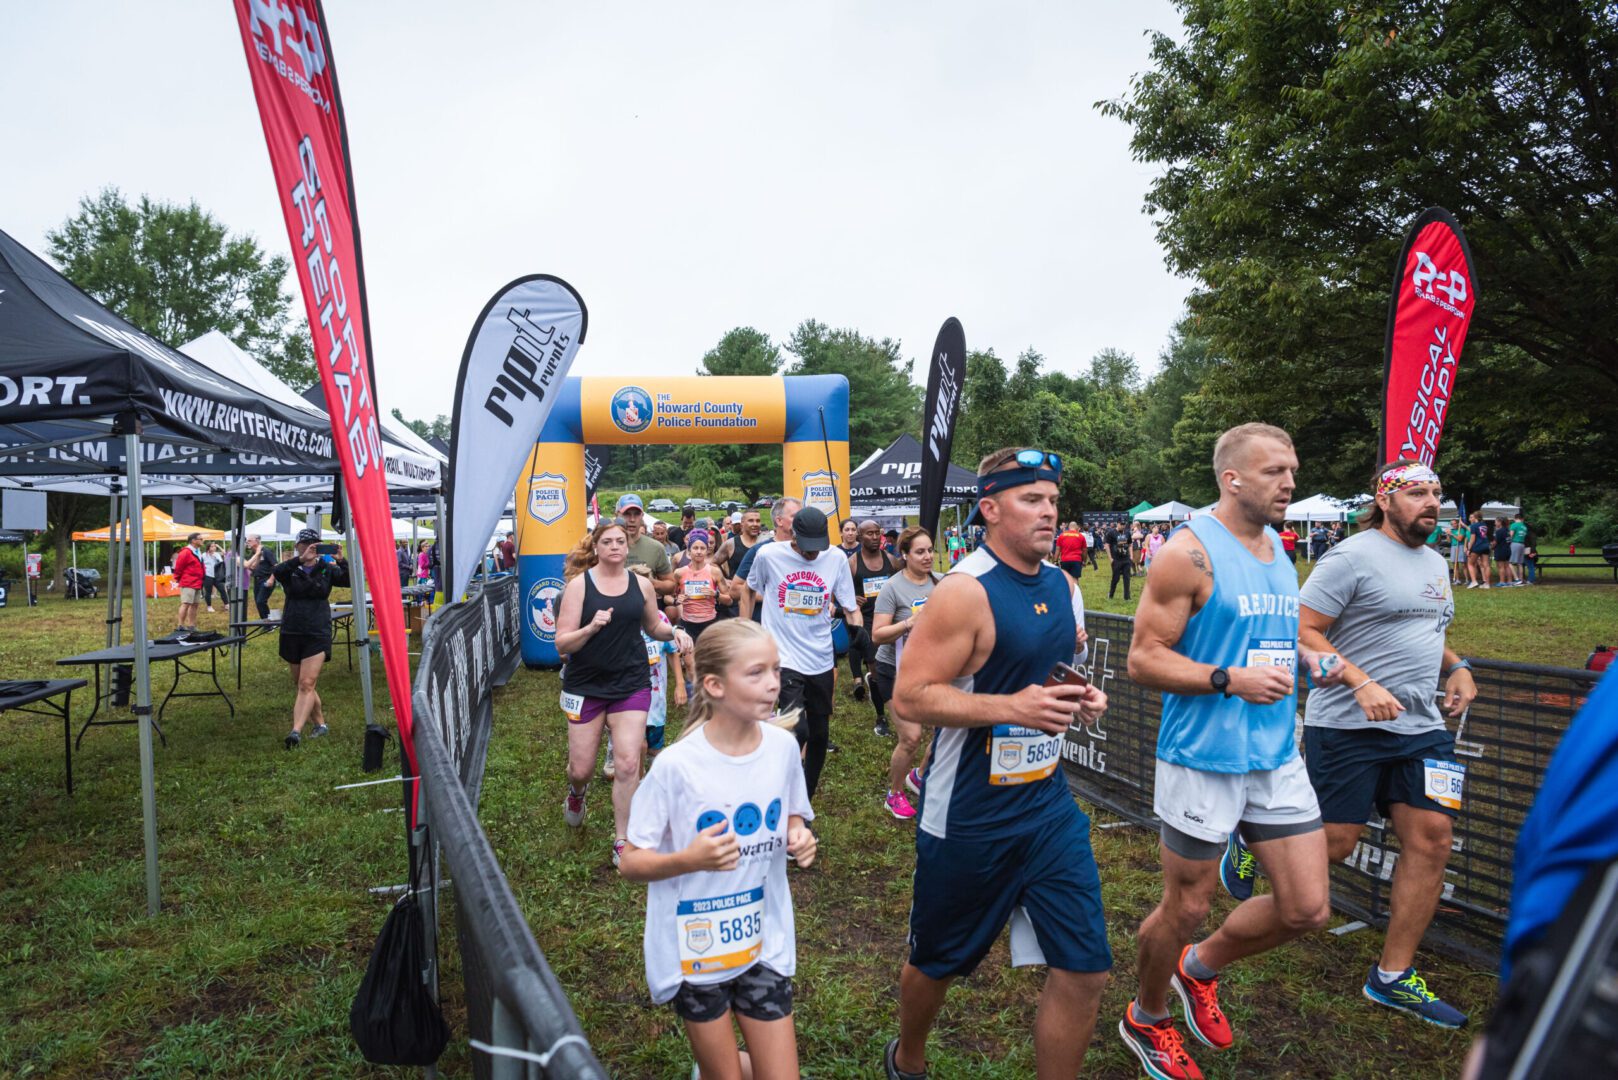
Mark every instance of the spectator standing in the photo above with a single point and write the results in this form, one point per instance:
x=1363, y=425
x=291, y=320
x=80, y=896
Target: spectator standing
x=424, y=564
x=1502, y=554
x=262, y=569
x=213, y=574
x=1519, y=548
x=1289, y=542
x=1317, y=541
x=508, y=552
x=189, y=574
x=1477, y=557
x=1122, y=565
x=1458, y=537
x=1070, y=549
x=403, y=553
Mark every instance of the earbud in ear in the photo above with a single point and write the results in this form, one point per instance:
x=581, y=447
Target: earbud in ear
x=1235, y=485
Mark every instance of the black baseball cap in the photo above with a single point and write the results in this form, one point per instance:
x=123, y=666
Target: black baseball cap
x=809, y=529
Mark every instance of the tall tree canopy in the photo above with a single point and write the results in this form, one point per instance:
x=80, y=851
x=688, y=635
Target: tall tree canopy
x=177, y=272
x=1297, y=143
x=882, y=402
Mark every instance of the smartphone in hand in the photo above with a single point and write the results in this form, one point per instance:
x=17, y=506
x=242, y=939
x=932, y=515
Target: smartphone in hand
x=1066, y=675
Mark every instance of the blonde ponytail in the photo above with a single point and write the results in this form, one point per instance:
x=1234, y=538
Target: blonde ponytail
x=715, y=653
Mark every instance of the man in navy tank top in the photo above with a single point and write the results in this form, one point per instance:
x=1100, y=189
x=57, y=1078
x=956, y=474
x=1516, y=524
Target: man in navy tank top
x=1000, y=839
x=1217, y=633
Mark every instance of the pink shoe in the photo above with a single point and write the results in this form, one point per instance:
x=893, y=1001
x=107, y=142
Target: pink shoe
x=899, y=806
x=913, y=781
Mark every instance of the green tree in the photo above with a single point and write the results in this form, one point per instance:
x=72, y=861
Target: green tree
x=438, y=428
x=1296, y=142
x=177, y=272
x=753, y=468
x=882, y=401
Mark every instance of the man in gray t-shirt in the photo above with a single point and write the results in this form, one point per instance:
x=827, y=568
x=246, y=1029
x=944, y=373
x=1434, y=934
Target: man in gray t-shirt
x=1381, y=600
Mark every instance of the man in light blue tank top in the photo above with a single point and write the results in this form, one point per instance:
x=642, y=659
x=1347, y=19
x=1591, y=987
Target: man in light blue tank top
x=1000, y=839
x=1217, y=632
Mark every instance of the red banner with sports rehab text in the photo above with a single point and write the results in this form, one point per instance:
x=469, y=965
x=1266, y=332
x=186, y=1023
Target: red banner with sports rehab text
x=295, y=82
x=1434, y=291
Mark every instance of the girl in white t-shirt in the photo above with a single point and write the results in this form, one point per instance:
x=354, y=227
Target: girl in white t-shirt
x=709, y=831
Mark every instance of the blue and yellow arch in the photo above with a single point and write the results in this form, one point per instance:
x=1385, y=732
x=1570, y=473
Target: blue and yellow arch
x=806, y=414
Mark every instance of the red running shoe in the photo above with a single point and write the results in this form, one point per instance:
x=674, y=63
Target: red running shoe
x=1201, y=1000
x=1159, y=1047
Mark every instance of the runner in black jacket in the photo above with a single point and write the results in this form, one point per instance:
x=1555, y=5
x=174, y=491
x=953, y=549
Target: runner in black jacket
x=307, y=579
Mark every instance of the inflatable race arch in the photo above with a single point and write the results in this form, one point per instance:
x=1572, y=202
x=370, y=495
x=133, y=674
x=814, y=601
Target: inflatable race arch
x=806, y=414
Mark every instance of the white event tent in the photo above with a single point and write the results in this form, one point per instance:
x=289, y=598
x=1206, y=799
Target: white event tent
x=1173, y=510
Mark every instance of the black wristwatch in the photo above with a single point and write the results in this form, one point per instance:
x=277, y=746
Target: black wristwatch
x=1220, y=681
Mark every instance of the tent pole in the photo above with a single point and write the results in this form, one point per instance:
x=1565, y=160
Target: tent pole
x=143, y=681
x=438, y=535
x=115, y=575
x=237, y=602
x=356, y=576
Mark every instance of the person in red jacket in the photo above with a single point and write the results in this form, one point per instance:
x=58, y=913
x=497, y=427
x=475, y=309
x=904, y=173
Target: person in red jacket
x=189, y=576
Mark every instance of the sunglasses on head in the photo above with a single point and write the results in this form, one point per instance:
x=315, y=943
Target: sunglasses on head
x=1035, y=459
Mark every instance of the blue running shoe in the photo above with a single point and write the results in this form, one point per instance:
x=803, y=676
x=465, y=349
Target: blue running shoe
x=1238, y=869
x=1409, y=993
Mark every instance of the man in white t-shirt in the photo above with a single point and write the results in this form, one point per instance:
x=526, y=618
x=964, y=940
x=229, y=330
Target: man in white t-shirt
x=796, y=585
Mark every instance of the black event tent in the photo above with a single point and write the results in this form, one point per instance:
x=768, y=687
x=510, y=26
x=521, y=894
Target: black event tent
x=85, y=394
x=69, y=368
x=892, y=480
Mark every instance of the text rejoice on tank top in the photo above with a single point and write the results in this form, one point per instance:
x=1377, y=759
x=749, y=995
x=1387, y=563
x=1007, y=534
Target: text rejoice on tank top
x=611, y=665
x=1250, y=620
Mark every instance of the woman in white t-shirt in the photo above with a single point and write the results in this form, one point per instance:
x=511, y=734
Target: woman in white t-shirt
x=709, y=831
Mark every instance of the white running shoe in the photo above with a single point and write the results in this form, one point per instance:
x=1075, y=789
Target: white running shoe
x=573, y=809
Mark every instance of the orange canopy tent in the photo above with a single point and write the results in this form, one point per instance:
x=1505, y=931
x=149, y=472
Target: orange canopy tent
x=155, y=526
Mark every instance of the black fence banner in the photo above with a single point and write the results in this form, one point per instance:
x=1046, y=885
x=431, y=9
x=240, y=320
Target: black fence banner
x=516, y=1010
x=1505, y=740
x=946, y=375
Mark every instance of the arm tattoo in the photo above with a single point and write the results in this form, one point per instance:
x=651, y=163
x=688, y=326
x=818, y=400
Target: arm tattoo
x=1201, y=563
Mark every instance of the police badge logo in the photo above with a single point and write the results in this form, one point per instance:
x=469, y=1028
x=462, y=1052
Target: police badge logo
x=631, y=409
x=820, y=491
x=699, y=935
x=543, y=596
x=1010, y=755
x=547, y=498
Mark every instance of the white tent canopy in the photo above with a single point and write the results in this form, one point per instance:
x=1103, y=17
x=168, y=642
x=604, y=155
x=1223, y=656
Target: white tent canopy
x=1173, y=510
x=1318, y=508
x=265, y=529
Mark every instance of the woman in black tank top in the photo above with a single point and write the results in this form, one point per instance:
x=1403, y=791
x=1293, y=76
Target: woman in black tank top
x=607, y=680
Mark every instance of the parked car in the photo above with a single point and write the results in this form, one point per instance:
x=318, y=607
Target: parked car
x=662, y=506
x=694, y=503
x=731, y=504
x=766, y=502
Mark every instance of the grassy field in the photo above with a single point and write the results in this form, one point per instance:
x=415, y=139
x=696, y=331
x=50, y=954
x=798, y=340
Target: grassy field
x=267, y=920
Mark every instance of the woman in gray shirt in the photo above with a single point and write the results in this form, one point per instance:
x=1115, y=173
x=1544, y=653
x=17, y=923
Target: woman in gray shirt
x=897, y=604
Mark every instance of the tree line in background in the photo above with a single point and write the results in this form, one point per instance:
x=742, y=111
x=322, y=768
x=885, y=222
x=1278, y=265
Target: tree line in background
x=1293, y=146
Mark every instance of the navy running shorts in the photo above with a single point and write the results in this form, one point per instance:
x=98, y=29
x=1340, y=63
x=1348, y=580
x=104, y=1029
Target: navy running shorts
x=1354, y=769
x=1043, y=882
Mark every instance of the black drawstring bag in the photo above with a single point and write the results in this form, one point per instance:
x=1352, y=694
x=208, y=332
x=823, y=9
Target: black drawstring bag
x=394, y=1018
x=376, y=741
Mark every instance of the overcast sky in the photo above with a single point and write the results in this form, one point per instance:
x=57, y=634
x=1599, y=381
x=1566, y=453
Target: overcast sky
x=688, y=168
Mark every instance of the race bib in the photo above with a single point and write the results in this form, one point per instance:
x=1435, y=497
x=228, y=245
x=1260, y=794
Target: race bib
x=1276, y=652
x=873, y=586
x=572, y=706
x=1444, y=782
x=1021, y=755
x=805, y=601
x=720, y=933
x=654, y=649
x=697, y=588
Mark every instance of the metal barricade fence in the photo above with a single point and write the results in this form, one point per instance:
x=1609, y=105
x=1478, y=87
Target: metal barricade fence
x=519, y=1020
x=1505, y=741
